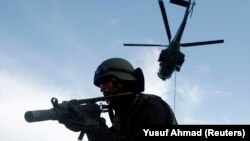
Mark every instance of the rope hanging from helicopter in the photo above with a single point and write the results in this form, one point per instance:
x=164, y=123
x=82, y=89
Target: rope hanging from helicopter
x=174, y=90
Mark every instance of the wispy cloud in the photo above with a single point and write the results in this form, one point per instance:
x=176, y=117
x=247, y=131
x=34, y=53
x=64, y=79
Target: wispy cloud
x=222, y=93
x=190, y=93
x=201, y=69
x=114, y=22
x=19, y=94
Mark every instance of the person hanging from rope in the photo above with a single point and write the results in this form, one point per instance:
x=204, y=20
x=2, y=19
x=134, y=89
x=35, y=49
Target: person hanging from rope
x=128, y=112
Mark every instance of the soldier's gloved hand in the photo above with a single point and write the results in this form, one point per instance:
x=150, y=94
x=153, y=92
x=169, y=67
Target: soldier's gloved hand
x=76, y=125
x=83, y=117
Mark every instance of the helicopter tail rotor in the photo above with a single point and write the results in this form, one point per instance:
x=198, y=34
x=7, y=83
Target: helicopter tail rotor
x=192, y=8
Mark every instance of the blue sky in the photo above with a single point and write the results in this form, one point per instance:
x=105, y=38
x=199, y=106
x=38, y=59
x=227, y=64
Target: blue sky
x=51, y=48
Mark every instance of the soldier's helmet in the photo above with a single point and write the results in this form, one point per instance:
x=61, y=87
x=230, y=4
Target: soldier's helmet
x=120, y=69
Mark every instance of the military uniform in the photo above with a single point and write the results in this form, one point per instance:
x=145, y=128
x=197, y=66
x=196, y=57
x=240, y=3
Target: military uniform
x=131, y=114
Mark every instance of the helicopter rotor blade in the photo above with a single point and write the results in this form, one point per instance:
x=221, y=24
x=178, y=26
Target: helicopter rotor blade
x=146, y=45
x=202, y=43
x=179, y=2
x=165, y=19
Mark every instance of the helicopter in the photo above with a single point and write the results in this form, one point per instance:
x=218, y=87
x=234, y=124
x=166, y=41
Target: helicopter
x=171, y=58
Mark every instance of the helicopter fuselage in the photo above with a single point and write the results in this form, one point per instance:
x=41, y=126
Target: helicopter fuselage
x=170, y=59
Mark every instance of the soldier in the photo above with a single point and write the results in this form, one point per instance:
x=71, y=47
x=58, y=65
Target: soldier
x=130, y=111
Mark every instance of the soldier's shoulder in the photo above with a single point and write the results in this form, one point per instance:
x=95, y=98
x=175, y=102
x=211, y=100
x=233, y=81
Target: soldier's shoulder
x=150, y=98
x=146, y=95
